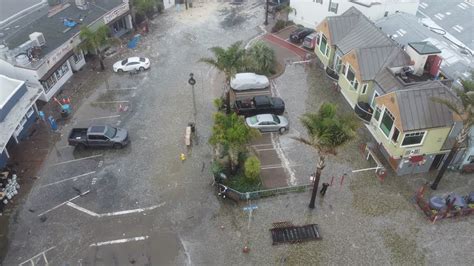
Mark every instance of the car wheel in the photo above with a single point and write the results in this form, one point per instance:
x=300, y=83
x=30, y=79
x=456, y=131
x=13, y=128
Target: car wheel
x=282, y=130
x=117, y=146
x=119, y=70
x=142, y=69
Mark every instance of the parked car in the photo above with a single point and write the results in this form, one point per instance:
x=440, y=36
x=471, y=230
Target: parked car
x=249, y=81
x=260, y=105
x=132, y=64
x=98, y=136
x=299, y=34
x=309, y=41
x=268, y=123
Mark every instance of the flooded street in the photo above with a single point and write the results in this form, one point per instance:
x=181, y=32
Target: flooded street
x=142, y=205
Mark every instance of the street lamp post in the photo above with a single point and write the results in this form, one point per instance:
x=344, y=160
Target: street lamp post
x=192, y=82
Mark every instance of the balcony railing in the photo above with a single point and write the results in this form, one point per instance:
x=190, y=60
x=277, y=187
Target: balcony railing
x=332, y=74
x=364, y=111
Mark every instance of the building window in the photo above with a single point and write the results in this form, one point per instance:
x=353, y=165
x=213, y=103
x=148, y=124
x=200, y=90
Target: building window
x=333, y=7
x=470, y=159
x=337, y=64
x=413, y=138
x=30, y=112
x=53, y=79
x=377, y=113
x=77, y=57
x=350, y=75
x=372, y=103
x=323, y=46
x=387, y=123
x=395, y=135
x=364, y=88
x=23, y=121
x=318, y=1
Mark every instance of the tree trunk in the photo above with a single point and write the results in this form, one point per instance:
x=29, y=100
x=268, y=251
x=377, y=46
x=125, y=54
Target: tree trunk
x=233, y=159
x=319, y=168
x=227, y=102
x=101, y=60
x=445, y=165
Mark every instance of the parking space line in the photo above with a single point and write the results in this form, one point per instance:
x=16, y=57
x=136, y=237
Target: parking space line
x=103, y=117
x=43, y=253
x=76, y=160
x=119, y=241
x=59, y=205
x=124, y=89
x=67, y=179
x=258, y=145
x=91, y=213
x=111, y=102
x=274, y=166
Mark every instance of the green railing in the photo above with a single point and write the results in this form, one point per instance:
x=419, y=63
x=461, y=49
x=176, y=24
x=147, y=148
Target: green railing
x=267, y=192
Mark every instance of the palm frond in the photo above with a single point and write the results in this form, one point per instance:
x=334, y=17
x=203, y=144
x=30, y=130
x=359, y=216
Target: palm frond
x=448, y=103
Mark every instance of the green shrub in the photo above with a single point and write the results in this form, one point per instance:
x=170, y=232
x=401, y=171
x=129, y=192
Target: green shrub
x=289, y=23
x=252, y=168
x=279, y=25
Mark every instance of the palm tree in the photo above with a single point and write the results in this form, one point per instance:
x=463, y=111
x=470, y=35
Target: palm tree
x=327, y=131
x=261, y=58
x=287, y=10
x=94, y=41
x=230, y=61
x=463, y=109
x=232, y=133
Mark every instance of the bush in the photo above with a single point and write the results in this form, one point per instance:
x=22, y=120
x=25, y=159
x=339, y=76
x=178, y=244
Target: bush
x=252, y=168
x=289, y=23
x=279, y=25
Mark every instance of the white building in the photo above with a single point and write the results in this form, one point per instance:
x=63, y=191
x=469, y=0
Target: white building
x=40, y=48
x=310, y=12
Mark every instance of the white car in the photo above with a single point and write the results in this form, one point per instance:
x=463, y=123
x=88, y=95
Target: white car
x=268, y=123
x=132, y=64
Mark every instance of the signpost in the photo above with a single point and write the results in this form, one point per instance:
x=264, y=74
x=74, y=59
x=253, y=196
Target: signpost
x=192, y=82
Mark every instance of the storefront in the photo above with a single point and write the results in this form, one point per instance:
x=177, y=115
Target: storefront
x=119, y=20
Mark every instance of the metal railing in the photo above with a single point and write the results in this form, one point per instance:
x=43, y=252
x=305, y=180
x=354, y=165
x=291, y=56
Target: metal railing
x=267, y=192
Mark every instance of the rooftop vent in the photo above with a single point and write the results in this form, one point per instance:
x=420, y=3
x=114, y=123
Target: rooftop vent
x=81, y=4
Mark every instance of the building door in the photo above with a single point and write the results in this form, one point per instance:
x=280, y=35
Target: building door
x=437, y=161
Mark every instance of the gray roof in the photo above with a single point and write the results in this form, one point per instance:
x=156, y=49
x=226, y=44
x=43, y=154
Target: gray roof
x=387, y=81
x=372, y=59
x=363, y=34
x=419, y=111
x=424, y=48
x=454, y=16
x=340, y=26
x=406, y=28
x=52, y=27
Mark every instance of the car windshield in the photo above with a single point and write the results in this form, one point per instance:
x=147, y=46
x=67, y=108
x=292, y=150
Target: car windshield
x=110, y=132
x=142, y=59
x=124, y=61
x=276, y=119
x=253, y=120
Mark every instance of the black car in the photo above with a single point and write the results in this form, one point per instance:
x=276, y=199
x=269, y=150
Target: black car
x=298, y=35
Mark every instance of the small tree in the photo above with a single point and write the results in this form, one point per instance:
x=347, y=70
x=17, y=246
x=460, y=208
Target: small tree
x=327, y=131
x=229, y=61
x=261, y=58
x=231, y=132
x=464, y=109
x=287, y=10
x=145, y=7
x=94, y=41
x=252, y=168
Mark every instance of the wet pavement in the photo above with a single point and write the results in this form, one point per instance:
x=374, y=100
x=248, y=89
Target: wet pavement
x=142, y=205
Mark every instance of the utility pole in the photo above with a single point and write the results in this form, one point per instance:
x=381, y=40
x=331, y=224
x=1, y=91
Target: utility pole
x=266, y=13
x=192, y=82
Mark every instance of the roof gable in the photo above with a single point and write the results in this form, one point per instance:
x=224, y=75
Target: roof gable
x=418, y=110
x=373, y=59
x=340, y=26
x=363, y=34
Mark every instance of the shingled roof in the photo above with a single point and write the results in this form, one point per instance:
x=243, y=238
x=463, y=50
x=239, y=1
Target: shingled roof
x=419, y=111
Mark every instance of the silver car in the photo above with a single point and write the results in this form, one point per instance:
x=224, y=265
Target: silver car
x=268, y=123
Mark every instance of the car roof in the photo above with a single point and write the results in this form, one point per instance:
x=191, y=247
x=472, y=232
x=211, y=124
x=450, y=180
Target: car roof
x=265, y=117
x=134, y=59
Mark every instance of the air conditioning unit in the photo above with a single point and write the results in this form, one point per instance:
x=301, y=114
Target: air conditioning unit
x=409, y=152
x=81, y=4
x=38, y=38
